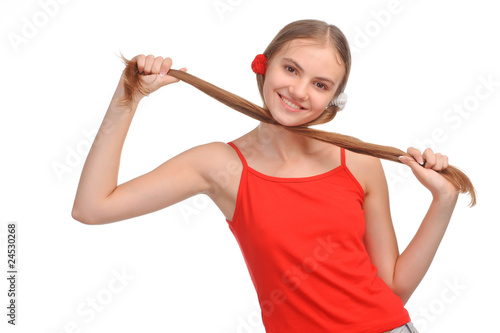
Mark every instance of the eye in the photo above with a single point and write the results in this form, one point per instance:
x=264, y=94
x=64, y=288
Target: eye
x=289, y=69
x=321, y=86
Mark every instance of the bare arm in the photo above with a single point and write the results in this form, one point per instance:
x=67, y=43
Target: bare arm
x=403, y=273
x=98, y=199
x=416, y=259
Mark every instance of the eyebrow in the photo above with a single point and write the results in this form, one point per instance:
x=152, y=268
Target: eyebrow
x=301, y=69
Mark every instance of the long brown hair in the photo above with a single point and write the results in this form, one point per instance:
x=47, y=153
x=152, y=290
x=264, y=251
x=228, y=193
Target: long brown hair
x=308, y=29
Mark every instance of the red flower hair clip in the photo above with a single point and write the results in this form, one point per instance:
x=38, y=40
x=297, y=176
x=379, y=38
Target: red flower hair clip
x=259, y=64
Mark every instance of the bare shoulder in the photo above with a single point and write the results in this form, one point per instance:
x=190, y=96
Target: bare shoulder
x=214, y=149
x=366, y=169
x=217, y=153
x=217, y=160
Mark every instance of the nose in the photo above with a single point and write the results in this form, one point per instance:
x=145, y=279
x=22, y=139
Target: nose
x=298, y=90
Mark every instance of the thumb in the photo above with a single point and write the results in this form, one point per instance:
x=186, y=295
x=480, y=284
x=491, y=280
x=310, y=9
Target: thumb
x=167, y=79
x=412, y=163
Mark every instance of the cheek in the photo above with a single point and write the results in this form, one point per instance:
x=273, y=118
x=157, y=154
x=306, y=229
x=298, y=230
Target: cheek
x=321, y=100
x=269, y=88
x=265, y=89
x=275, y=78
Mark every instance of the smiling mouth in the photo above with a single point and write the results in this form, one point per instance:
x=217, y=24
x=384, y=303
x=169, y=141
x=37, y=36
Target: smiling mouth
x=290, y=103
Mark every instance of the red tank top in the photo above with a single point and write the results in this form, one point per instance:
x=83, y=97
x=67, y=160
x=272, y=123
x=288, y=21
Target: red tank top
x=302, y=241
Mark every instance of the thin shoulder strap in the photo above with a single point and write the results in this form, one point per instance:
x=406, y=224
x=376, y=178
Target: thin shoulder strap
x=342, y=156
x=239, y=154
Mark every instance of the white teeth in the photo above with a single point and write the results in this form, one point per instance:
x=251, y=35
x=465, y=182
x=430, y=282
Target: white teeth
x=287, y=102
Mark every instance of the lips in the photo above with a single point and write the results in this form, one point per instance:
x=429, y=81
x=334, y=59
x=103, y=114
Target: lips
x=291, y=103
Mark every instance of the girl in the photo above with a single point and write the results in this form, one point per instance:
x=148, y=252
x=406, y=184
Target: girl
x=311, y=217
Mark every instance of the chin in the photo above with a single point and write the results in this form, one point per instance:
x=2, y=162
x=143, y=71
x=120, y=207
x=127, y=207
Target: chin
x=290, y=122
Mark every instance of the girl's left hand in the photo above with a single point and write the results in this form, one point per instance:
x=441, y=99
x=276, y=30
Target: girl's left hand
x=426, y=171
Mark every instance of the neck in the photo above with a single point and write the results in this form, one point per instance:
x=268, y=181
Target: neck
x=275, y=141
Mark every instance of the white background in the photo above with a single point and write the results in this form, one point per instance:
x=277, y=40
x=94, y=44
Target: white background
x=184, y=270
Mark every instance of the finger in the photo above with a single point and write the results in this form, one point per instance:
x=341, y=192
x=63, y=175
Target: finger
x=439, y=162
x=409, y=161
x=150, y=59
x=141, y=61
x=417, y=155
x=445, y=162
x=157, y=65
x=429, y=158
x=165, y=66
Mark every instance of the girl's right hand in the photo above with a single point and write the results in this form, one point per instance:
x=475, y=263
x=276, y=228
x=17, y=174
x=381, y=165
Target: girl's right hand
x=153, y=73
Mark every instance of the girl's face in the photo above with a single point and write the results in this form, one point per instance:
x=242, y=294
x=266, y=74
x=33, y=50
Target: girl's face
x=301, y=80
